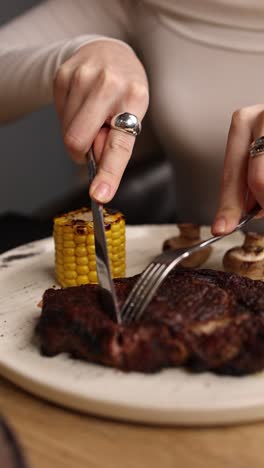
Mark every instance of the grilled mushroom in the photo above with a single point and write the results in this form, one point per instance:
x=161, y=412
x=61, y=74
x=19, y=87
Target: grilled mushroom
x=248, y=259
x=189, y=235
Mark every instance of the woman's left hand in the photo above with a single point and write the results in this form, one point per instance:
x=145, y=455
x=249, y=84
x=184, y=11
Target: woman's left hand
x=243, y=176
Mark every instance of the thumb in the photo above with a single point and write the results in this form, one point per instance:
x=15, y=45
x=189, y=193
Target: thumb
x=99, y=143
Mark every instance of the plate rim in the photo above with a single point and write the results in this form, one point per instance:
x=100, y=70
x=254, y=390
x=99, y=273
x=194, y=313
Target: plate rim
x=136, y=411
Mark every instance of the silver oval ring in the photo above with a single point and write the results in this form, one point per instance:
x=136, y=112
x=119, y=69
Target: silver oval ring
x=126, y=122
x=257, y=147
x=256, y=143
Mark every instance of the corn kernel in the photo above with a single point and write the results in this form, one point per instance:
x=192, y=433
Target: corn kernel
x=60, y=276
x=59, y=268
x=93, y=277
x=91, y=249
x=70, y=267
x=118, y=257
x=82, y=269
x=80, y=251
x=90, y=239
x=92, y=265
x=82, y=260
x=116, y=271
x=115, y=236
x=119, y=248
x=59, y=259
x=115, y=227
x=70, y=274
x=68, y=251
x=69, y=282
x=68, y=244
x=79, y=239
x=82, y=279
x=67, y=230
x=58, y=230
x=68, y=259
x=75, y=250
x=60, y=221
x=68, y=236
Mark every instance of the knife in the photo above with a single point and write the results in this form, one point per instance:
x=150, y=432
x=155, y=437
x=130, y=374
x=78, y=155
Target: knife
x=101, y=251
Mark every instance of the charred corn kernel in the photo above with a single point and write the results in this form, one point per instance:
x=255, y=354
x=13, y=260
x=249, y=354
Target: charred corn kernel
x=75, y=250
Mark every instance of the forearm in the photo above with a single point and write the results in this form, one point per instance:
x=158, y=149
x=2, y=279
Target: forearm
x=37, y=43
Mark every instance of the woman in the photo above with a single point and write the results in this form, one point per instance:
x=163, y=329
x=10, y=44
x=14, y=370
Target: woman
x=201, y=61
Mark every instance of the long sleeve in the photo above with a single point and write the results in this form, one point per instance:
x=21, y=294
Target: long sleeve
x=34, y=45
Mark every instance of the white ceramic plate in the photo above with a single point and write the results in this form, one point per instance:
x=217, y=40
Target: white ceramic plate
x=168, y=397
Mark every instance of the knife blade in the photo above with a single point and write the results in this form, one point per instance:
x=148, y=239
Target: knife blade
x=101, y=251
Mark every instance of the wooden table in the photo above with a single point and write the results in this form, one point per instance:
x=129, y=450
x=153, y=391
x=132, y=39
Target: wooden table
x=54, y=437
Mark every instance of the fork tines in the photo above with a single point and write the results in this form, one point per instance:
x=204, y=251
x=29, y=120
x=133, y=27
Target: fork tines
x=142, y=292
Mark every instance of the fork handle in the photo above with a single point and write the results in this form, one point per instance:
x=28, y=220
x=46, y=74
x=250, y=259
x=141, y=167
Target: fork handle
x=244, y=220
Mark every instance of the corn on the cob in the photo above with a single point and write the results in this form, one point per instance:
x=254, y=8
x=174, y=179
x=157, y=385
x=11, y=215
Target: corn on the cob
x=73, y=235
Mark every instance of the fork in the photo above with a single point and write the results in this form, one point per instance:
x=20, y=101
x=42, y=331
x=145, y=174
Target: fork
x=155, y=273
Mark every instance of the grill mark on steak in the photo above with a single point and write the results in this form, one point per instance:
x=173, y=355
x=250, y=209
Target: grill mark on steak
x=202, y=319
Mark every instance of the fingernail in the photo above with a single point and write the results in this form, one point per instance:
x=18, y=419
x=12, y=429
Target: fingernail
x=102, y=192
x=220, y=225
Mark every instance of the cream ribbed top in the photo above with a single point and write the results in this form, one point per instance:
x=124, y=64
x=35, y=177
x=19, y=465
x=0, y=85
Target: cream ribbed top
x=35, y=44
x=203, y=59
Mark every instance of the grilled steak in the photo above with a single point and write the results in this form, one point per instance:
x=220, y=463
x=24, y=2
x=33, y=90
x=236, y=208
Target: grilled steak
x=202, y=319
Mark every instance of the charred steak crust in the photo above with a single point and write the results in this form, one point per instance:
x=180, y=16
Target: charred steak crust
x=202, y=319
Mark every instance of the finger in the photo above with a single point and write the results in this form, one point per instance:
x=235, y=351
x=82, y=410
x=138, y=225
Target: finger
x=116, y=154
x=256, y=165
x=81, y=84
x=99, y=143
x=250, y=201
x=118, y=145
x=260, y=215
x=61, y=86
x=234, y=182
x=85, y=127
x=91, y=116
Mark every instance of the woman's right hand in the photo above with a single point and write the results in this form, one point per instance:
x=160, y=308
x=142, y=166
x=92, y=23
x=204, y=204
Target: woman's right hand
x=101, y=79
